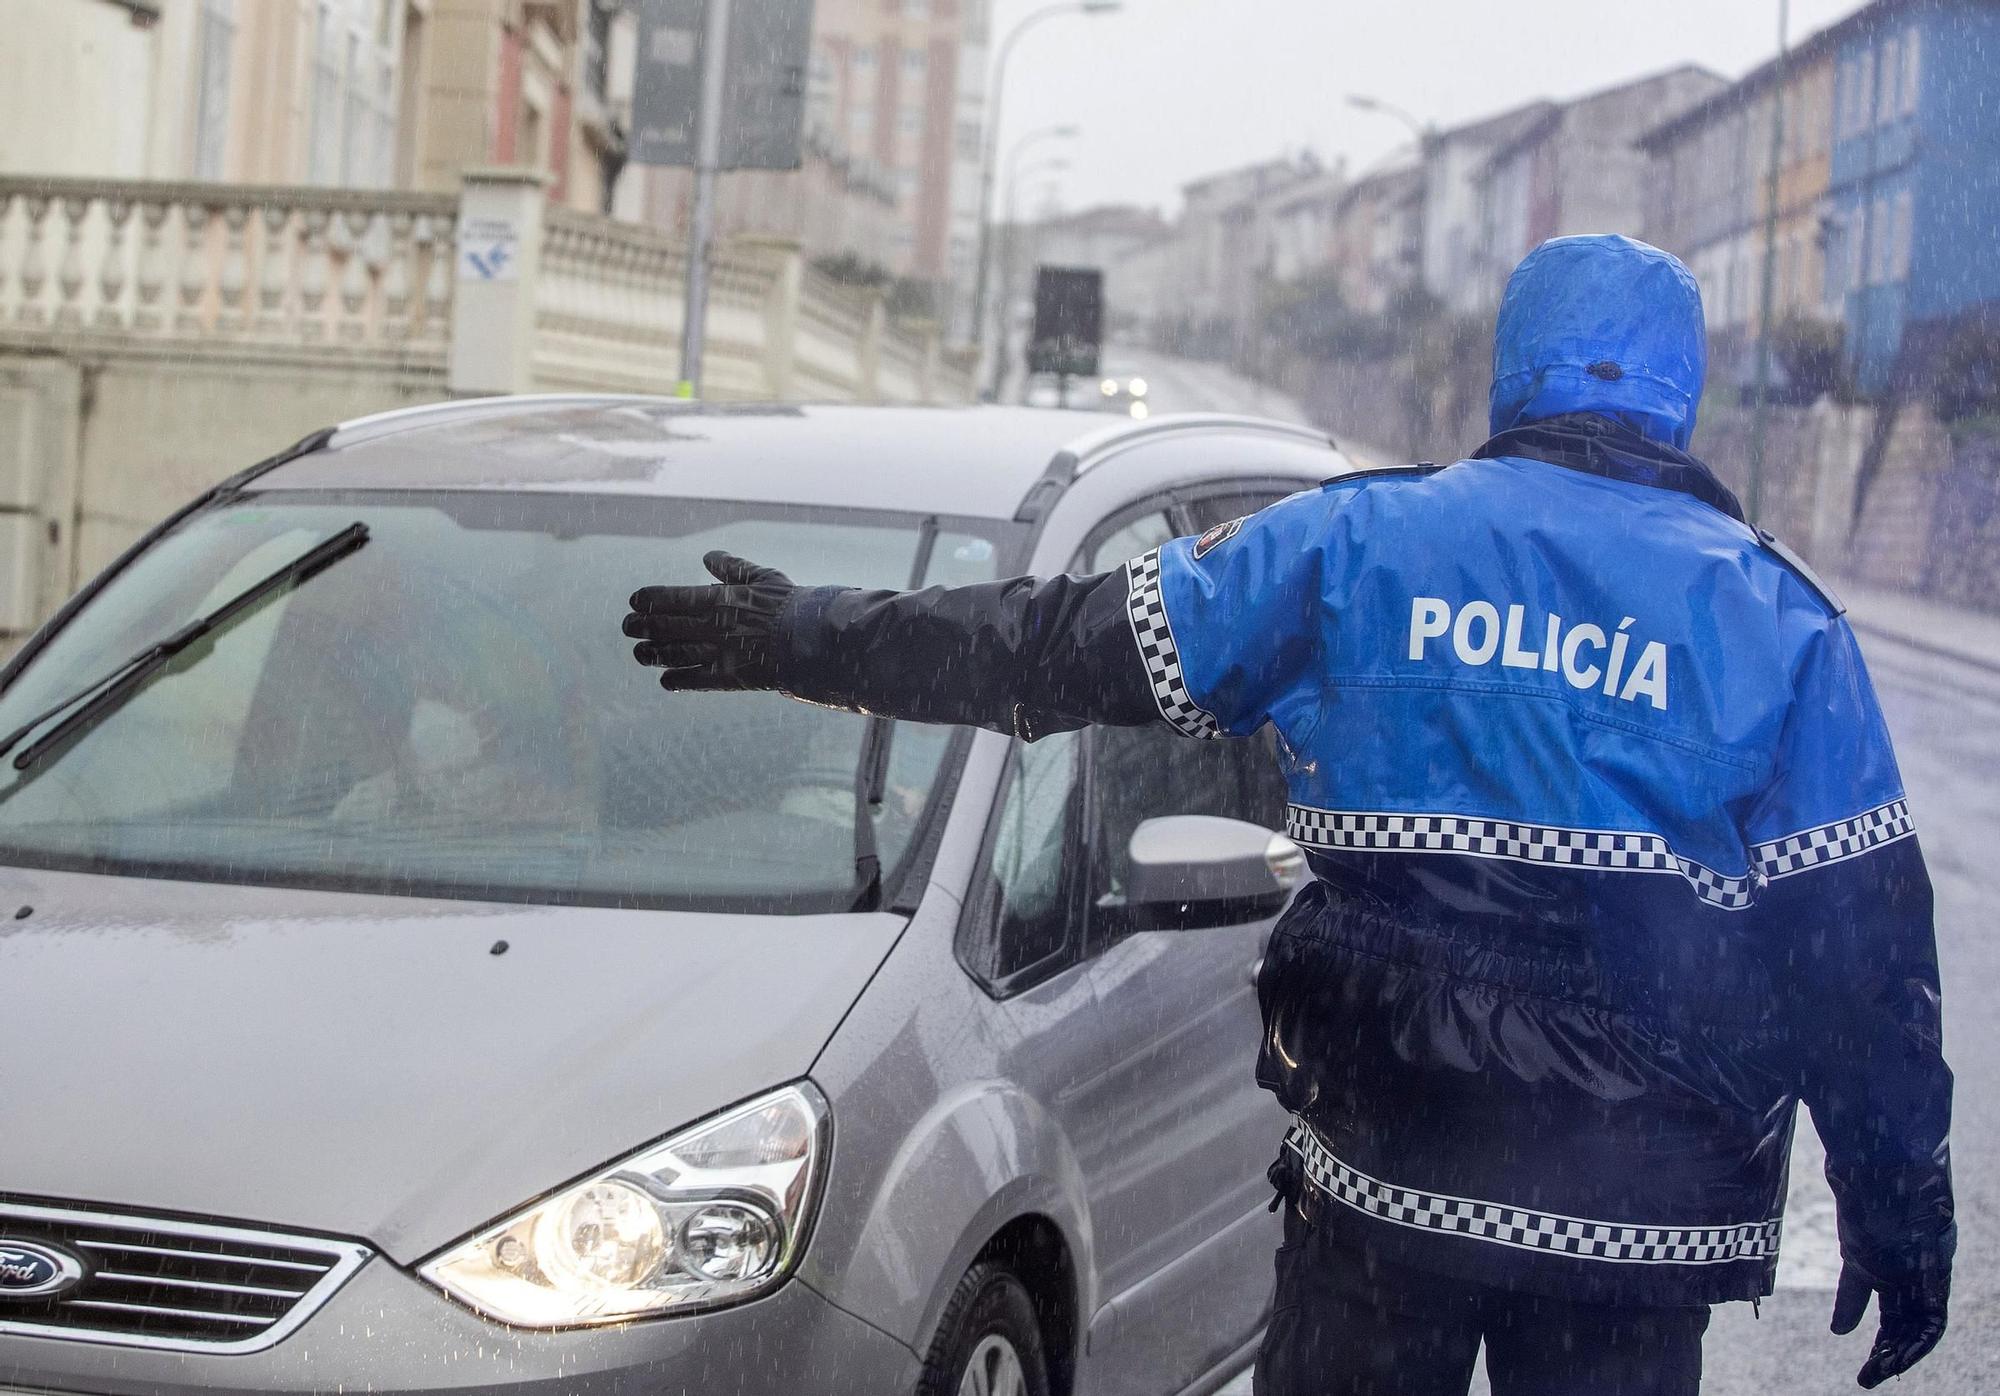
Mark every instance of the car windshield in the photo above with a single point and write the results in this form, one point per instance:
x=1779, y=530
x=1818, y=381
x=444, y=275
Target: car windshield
x=453, y=711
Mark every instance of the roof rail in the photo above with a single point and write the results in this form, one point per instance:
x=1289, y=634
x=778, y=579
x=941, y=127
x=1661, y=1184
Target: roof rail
x=1093, y=447
x=454, y=409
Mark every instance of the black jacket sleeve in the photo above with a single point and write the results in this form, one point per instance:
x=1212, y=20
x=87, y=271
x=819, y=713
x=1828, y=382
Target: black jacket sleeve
x=1863, y=1010
x=1845, y=910
x=1028, y=656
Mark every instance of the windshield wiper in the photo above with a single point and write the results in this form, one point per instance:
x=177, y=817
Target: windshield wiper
x=871, y=770
x=95, y=702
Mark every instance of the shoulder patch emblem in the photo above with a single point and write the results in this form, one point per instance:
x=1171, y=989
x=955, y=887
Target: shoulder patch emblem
x=1216, y=537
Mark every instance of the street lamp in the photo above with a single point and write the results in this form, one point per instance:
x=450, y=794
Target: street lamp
x=1753, y=502
x=1426, y=135
x=1027, y=143
x=1052, y=165
x=990, y=156
x=1036, y=137
x=1375, y=104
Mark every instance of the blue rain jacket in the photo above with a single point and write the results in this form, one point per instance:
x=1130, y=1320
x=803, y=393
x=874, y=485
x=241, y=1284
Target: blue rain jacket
x=1614, y=864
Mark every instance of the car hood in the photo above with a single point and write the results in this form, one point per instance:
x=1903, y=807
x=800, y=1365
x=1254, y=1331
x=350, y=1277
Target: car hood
x=376, y=1067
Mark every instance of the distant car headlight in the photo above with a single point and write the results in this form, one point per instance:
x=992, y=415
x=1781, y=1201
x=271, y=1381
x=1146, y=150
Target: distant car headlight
x=1137, y=387
x=1109, y=387
x=713, y=1215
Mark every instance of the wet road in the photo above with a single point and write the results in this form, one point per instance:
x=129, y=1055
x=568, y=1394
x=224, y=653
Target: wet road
x=1944, y=712
x=1182, y=385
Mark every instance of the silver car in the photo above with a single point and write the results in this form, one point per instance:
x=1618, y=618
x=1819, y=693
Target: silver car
x=401, y=993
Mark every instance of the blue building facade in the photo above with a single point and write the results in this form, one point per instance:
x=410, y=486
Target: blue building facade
x=1913, y=198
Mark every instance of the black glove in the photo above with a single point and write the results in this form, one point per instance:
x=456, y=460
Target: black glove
x=1913, y=1315
x=715, y=637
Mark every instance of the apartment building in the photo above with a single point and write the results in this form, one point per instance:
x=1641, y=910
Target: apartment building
x=1577, y=168
x=1222, y=248
x=892, y=145
x=1913, y=194
x=544, y=84
x=890, y=76
x=1888, y=181
x=259, y=91
x=1708, y=196
x=352, y=93
x=1378, y=239
x=1455, y=268
x=1304, y=217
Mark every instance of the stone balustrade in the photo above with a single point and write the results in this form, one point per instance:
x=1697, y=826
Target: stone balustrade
x=258, y=265
x=607, y=305
x=584, y=302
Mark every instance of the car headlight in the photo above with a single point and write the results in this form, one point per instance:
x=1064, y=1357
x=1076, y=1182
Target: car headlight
x=713, y=1215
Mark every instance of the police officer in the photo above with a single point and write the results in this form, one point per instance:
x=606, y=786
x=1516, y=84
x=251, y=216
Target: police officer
x=1614, y=866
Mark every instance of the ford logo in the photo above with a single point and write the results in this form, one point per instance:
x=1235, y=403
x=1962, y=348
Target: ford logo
x=32, y=1271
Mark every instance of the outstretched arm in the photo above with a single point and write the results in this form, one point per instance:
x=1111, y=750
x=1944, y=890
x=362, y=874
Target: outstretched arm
x=1028, y=655
x=1201, y=635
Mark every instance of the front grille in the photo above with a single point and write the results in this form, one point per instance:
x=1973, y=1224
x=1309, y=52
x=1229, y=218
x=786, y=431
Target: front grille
x=154, y=1282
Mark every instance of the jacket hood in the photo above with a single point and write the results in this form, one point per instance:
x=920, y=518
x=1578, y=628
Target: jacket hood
x=1603, y=324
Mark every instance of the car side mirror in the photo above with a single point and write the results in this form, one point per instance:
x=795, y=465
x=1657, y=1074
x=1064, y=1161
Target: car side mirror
x=1188, y=871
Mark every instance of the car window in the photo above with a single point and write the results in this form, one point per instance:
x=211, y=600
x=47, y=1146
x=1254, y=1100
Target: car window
x=1025, y=911
x=1206, y=511
x=1131, y=540
x=1141, y=773
x=452, y=710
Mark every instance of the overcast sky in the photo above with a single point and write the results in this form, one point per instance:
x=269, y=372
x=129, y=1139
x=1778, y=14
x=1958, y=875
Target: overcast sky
x=1169, y=90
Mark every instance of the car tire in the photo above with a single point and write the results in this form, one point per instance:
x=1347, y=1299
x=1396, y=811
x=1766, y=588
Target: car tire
x=988, y=1342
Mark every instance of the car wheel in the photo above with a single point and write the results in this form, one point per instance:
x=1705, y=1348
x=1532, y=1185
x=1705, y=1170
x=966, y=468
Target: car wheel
x=988, y=1342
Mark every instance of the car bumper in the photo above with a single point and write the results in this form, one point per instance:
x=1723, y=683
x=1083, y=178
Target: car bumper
x=387, y=1332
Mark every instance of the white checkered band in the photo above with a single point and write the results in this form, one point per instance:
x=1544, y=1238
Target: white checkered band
x=1829, y=843
x=1619, y=1242
x=1155, y=634
x=1605, y=850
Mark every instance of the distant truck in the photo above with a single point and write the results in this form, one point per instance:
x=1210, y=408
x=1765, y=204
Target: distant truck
x=1068, y=333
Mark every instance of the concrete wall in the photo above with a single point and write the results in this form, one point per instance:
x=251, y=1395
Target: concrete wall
x=153, y=432
x=96, y=449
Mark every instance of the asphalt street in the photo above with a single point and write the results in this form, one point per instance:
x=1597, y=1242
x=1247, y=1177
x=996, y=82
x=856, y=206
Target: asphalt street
x=1182, y=385
x=1938, y=674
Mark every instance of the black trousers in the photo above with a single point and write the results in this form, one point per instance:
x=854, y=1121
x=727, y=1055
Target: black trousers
x=1347, y=1323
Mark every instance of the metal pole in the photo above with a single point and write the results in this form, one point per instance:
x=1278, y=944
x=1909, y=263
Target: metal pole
x=990, y=158
x=708, y=157
x=987, y=160
x=1754, y=504
x=1003, y=351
